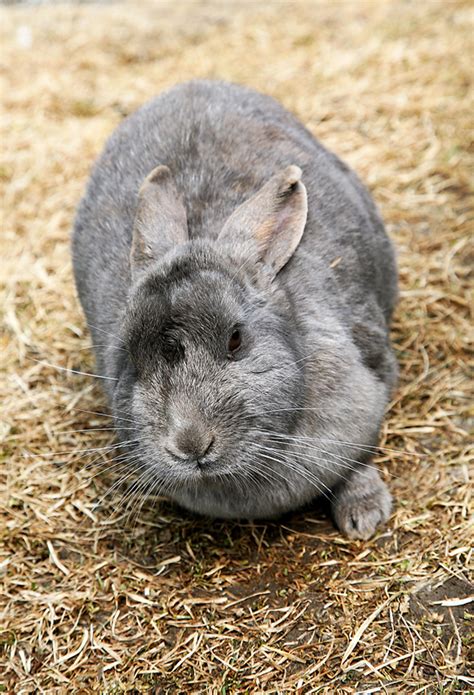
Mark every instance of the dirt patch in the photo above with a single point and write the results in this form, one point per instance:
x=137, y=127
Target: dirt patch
x=444, y=609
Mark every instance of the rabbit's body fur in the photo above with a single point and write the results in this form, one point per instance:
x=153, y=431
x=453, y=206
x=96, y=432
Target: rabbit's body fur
x=317, y=369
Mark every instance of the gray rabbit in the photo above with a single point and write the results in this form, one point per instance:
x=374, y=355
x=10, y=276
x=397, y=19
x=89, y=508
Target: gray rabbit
x=238, y=284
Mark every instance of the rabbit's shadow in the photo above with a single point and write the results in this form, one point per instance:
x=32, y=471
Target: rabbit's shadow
x=167, y=531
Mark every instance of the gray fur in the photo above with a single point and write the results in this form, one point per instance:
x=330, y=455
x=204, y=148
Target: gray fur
x=315, y=370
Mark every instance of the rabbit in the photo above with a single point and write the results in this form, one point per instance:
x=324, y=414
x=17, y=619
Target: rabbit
x=238, y=285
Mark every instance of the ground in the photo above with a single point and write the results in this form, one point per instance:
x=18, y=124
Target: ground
x=95, y=600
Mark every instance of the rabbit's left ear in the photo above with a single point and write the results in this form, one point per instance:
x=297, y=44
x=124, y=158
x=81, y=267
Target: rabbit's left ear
x=270, y=224
x=160, y=221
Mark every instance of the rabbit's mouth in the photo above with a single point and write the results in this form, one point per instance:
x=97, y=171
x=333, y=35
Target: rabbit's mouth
x=205, y=467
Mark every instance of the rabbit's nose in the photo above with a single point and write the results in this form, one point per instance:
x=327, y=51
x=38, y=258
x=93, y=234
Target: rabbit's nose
x=190, y=443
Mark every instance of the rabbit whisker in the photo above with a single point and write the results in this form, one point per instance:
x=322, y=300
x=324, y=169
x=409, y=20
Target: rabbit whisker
x=363, y=447
x=307, y=475
x=92, y=430
x=109, y=447
x=321, y=463
x=400, y=452
x=109, y=415
x=137, y=468
x=347, y=461
x=72, y=371
x=102, y=330
x=102, y=345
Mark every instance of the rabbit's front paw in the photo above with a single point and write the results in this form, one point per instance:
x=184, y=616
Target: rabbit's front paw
x=362, y=504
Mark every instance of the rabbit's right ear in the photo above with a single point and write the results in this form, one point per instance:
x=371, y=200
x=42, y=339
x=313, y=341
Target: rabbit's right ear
x=160, y=221
x=269, y=225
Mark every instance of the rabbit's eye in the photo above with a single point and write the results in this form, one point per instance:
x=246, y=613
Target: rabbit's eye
x=234, y=341
x=173, y=350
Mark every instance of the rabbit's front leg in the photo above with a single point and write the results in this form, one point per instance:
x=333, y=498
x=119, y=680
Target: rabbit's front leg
x=362, y=503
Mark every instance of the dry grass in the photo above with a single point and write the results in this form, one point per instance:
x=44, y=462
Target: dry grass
x=91, y=602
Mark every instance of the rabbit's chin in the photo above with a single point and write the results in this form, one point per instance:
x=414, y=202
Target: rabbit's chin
x=215, y=499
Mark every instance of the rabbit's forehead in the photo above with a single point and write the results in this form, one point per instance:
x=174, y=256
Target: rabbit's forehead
x=196, y=307
x=204, y=296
